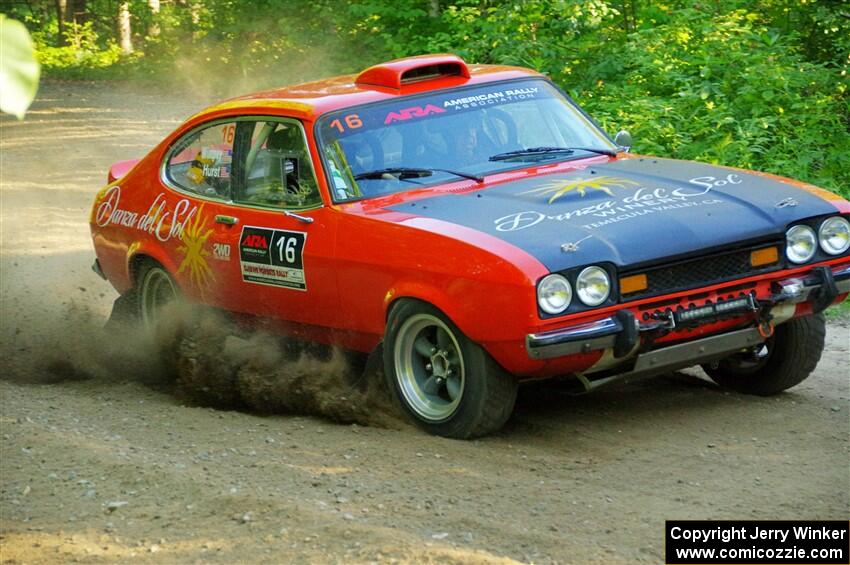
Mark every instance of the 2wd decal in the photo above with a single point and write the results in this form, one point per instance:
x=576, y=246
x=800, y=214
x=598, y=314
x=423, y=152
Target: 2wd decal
x=221, y=251
x=273, y=257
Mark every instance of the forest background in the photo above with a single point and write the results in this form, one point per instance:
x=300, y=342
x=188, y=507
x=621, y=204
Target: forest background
x=760, y=85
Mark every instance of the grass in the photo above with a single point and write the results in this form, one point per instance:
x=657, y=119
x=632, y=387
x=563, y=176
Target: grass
x=839, y=312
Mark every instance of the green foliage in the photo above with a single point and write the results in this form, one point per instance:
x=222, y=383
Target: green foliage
x=725, y=89
x=82, y=58
x=760, y=85
x=764, y=89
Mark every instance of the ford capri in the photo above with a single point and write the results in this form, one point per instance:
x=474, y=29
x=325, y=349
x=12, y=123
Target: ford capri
x=472, y=228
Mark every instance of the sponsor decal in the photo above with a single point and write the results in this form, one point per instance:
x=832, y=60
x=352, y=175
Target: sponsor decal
x=641, y=202
x=272, y=257
x=162, y=221
x=413, y=112
x=491, y=98
x=221, y=251
x=210, y=163
x=560, y=188
x=194, y=263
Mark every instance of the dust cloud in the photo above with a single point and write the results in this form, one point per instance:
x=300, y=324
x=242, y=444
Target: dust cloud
x=221, y=365
x=200, y=356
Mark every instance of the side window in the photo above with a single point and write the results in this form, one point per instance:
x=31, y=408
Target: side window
x=201, y=161
x=278, y=169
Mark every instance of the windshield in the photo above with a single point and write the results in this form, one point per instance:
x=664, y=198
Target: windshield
x=370, y=150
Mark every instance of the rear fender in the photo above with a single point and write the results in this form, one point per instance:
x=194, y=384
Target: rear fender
x=121, y=168
x=138, y=252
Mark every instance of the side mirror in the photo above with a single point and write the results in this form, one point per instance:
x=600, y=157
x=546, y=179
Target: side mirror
x=623, y=139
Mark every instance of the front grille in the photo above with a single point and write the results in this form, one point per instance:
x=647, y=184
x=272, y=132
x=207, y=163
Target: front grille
x=702, y=271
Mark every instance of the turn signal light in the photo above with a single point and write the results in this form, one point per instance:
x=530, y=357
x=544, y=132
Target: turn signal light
x=632, y=283
x=766, y=256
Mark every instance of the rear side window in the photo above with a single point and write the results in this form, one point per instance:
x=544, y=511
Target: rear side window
x=202, y=160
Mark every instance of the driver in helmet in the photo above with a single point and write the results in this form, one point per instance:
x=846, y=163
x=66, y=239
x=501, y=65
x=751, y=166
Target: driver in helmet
x=465, y=143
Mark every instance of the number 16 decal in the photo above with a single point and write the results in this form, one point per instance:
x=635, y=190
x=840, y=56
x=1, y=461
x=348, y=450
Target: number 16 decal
x=273, y=257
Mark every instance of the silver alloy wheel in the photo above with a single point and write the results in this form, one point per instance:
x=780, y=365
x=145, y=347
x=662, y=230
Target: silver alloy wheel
x=429, y=367
x=157, y=291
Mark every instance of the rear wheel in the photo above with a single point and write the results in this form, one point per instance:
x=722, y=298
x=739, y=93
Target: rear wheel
x=786, y=359
x=448, y=385
x=155, y=289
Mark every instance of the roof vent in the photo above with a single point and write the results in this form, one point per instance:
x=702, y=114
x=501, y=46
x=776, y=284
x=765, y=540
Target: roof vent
x=402, y=72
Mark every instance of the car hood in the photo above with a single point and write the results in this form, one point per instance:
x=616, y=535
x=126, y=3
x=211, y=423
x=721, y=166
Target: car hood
x=629, y=212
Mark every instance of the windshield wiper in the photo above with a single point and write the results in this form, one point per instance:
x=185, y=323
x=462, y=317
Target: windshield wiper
x=400, y=172
x=543, y=150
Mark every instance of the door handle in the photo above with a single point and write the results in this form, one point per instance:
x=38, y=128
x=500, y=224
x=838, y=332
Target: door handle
x=229, y=220
x=299, y=217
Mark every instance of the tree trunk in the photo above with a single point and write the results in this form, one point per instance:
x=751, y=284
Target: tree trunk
x=434, y=8
x=62, y=18
x=80, y=11
x=153, y=26
x=124, y=32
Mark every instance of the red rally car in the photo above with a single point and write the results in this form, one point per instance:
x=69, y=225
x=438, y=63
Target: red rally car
x=479, y=226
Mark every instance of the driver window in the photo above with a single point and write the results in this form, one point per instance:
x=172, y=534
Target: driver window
x=279, y=172
x=200, y=162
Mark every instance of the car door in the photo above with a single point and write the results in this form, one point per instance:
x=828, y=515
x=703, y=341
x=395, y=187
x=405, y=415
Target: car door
x=190, y=210
x=280, y=235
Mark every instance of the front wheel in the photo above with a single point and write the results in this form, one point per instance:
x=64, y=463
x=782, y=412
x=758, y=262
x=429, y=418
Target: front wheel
x=786, y=359
x=448, y=385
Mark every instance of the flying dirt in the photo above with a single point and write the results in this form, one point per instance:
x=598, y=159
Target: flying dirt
x=214, y=443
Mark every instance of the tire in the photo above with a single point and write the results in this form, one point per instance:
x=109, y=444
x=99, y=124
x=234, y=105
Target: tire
x=134, y=305
x=154, y=289
x=125, y=311
x=785, y=360
x=446, y=383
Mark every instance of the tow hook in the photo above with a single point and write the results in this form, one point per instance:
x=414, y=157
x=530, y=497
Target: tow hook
x=764, y=319
x=765, y=328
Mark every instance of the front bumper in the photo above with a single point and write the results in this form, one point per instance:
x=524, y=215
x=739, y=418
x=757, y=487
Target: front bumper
x=621, y=332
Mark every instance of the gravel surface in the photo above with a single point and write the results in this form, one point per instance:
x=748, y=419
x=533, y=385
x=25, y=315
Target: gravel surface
x=101, y=462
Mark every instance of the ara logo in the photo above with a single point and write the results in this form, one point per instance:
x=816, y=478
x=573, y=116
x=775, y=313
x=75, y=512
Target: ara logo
x=255, y=241
x=414, y=112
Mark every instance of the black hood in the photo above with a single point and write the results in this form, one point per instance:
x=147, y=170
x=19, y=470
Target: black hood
x=629, y=212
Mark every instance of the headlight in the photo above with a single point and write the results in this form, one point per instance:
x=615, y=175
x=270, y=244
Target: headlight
x=834, y=235
x=593, y=286
x=554, y=294
x=801, y=244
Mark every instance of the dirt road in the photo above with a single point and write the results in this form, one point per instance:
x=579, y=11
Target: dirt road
x=111, y=469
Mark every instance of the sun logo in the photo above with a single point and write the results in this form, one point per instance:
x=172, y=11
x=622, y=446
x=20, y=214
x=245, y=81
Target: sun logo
x=194, y=254
x=559, y=188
